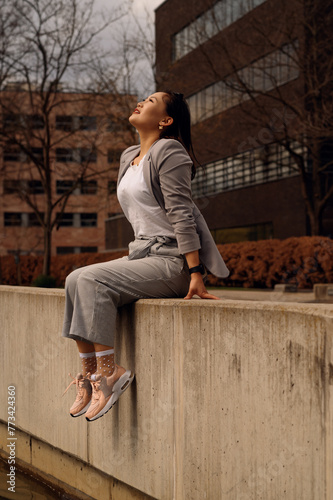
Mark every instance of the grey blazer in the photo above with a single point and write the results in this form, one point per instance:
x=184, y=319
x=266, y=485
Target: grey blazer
x=167, y=172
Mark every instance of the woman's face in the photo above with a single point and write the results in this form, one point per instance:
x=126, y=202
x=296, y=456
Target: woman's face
x=150, y=113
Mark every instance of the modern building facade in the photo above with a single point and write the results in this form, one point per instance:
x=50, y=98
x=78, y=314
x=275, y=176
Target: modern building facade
x=237, y=63
x=82, y=145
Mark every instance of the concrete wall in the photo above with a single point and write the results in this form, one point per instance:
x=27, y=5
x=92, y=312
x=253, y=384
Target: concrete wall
x=232, y=399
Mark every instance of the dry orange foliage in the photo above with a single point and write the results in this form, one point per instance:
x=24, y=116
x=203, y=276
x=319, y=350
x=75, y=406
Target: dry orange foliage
x=302, y=261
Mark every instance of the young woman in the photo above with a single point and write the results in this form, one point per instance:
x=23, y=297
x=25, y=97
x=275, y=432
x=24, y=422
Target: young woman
x=168, y=257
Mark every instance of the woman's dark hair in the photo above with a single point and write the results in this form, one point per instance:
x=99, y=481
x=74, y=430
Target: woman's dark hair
x=180, y=129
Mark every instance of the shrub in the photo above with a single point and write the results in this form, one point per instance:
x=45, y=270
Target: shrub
x=44, y=281
x=302, y=261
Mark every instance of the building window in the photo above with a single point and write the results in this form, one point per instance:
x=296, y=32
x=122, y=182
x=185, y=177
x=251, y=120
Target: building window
x=88, y=220
x=85, y=187
x=114, y=155
x=264, y=75
x=64, y=123
x=74, y=123
x=209, y=24
x=16, y=121
x=68, y=250
x=64, y=155
x=63, y=187
x=257, y=166
x=13, y=153
x=12, y=219
x=36, y=122
x=77, y=220
x=86, y=155
x=13, y=186
x=38, y=153
x=78, y=155
x=87, y=122
x=66, y=220
x=21, y=219
x=88, y=187
x=255, y=232
x=33, y=220
x=36, y=187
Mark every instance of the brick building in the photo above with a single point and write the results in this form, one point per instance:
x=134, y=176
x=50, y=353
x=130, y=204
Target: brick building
x=220, y=55
x=81, y=143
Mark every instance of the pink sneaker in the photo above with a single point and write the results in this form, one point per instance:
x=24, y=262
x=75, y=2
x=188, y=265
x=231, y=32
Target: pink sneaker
x=83, y=395
x=106, y=392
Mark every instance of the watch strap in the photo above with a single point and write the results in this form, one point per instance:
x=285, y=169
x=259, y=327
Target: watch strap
x=197, y=269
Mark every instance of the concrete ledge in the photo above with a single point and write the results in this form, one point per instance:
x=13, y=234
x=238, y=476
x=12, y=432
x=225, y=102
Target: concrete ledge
x=324, y=292
x=232, y=399
x=55, y=467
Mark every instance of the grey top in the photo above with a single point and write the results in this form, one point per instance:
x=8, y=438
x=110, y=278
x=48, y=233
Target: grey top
x=167, y=172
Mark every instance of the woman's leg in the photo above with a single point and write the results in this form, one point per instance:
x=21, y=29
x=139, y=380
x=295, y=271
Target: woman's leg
x=93, y=296
x=88, y=357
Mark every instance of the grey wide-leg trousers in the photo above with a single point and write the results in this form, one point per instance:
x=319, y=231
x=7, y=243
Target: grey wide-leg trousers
x=154, y=268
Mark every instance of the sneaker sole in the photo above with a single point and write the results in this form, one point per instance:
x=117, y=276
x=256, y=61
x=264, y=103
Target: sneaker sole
x=84, y=410
x=119, y=387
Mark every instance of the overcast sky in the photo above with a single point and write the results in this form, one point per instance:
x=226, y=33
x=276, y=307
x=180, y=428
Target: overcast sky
x=140, y=7
x=143, y=13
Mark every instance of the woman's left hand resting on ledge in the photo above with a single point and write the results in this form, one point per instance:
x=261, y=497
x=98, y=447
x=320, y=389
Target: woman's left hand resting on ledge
x=197, y=287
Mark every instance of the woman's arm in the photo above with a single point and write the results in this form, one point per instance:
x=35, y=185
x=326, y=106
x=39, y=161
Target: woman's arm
x=197, y=286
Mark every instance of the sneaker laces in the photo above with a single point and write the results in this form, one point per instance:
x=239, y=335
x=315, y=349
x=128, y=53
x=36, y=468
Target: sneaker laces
x=79, y=385
x=95, y=389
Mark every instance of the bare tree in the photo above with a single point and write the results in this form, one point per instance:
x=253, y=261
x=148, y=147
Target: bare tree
x=47, y=48
x=134, y=56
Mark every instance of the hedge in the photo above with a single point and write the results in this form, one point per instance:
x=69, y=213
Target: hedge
x=301, y=261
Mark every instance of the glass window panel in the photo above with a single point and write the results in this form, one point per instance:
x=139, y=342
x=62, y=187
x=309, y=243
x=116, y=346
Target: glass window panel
x=191, y=40
x=36, y=187
x=87, y=155
x=209, y=101
x=193, y=108
x=229, y=12
x=87, y=122
x=36, y=122
x=114, y=155
x=210, y=26
x=64, y=186
x=64, y=123
x=64, y=155
x=12, y=154
x=260, y=165
x=185, y=48
x=89, y=220
x=38, y=154
x=65, y=220
x=223, y=13
x=89, y=187
x=219, y=14
x=88, y=249
x=12, y=219
x=219, y=96
x=33, y=220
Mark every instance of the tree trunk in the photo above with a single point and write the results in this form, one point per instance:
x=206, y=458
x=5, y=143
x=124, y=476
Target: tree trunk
x=47, y=250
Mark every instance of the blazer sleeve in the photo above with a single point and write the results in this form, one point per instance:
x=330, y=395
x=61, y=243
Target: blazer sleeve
x=174, y=168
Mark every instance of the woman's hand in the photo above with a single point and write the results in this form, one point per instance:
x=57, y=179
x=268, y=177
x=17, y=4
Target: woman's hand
x=197, y=287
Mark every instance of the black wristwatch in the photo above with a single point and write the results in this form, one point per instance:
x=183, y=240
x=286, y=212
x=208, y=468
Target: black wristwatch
x=197, y=269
